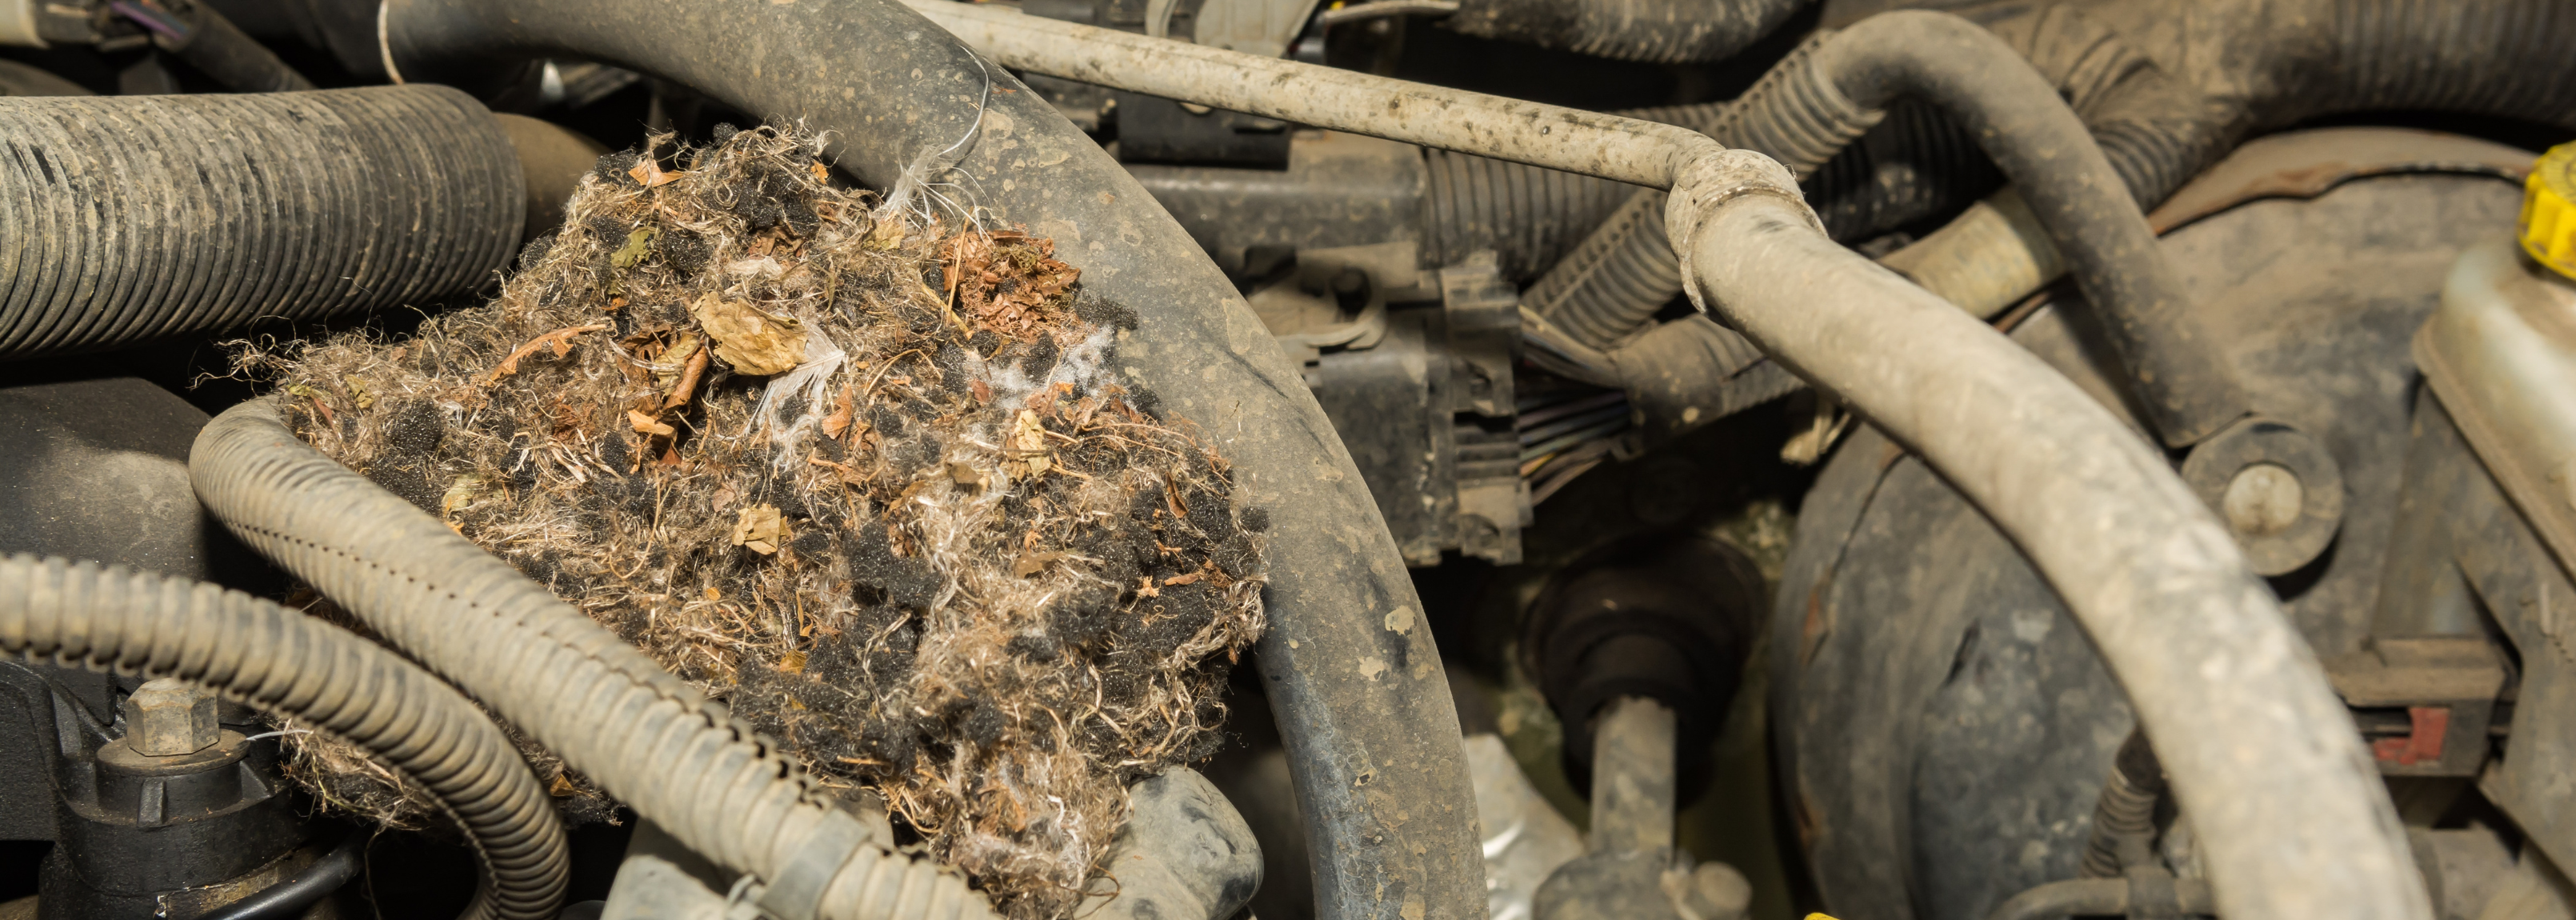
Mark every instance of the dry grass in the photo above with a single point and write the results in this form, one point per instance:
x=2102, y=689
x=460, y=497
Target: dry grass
x=873, y=483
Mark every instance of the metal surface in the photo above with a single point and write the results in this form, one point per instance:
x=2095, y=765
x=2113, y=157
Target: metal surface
x=1625, y=149
x=1994, y=254
x=1632, y=777
x=2519, y=593
x=1945, y=709
x=2294, y=818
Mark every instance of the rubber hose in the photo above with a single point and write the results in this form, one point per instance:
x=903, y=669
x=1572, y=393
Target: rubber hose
x=890, y=86
x=1653, y=31
x=2188, y=390
x=1866, y=171
x=1624, y=271
x=288, y=899
x=134, y=218
x=647, y=738
x=219, y=49
x=2264, y=66
x=79, y=614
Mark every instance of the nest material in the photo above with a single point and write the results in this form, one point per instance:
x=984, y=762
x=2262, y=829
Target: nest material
x=875, y=485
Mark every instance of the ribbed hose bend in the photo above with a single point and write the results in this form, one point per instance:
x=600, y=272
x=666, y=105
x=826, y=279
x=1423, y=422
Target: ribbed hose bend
x=77, y=614
x=130, y=218
x=642, y=734
x=1612, y=283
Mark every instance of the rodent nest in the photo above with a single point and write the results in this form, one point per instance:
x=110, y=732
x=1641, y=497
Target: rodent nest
x=876, y=485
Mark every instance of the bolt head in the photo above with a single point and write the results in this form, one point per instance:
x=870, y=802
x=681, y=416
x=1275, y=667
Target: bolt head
x=168, y=718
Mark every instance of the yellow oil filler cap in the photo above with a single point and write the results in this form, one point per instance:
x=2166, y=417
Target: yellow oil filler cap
x=2549, y=210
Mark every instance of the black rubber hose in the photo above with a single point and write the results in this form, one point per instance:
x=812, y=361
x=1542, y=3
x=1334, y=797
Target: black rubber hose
x=78, y=614
x=1835, y=89
x=891, y=86
x=2185, y=386
x=133, y=218
x=1653, y=31
x=199, y=35
x=646, y=737
x=289, y=898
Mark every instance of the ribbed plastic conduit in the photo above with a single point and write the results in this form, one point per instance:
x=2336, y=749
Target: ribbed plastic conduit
x=645, y=736
x=131, y=218
x=78, y=614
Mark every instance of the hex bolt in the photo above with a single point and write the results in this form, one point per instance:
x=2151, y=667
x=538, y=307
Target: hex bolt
x=170, y=717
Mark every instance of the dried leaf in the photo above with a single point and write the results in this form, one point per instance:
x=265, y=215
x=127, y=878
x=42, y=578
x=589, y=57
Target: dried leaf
x=843, y=410
x=560, y=339
x=649, y=173
x=887, y=234
x=1033, y=563
x=1029, y=444
x=646, y=424
x=1189, y=579
x=460, y=494
x=358, y=393
x=983, y=391
x=753, y=342
x=639, y=244
x=849, y=476
x=967, y=475
x=760, y=529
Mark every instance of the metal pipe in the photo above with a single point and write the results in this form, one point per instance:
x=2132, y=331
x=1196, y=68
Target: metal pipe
x=2260, y=751
x=1632, y=777
x=1555, y=137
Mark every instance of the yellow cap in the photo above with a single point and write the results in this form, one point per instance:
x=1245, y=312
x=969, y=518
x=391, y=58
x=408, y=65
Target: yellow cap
x=2549, y=210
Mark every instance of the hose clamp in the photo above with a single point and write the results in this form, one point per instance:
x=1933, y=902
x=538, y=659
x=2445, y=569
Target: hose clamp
x=1707, y=183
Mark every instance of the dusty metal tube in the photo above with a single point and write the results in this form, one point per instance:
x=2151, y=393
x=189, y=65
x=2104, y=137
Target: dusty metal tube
x=1607, y=146
x=2259, y=749
x=1632, y=777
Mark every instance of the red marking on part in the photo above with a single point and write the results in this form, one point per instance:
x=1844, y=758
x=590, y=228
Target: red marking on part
x=2424, y=745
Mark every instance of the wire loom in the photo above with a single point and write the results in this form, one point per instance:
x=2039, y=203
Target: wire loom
x=874, y=485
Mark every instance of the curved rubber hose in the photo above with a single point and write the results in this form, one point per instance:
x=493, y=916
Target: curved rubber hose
x=288, y=899
x=2296, y=820
x=646, y=737
x=1832, y=91
x=132, y=218
x=1653, y=31
x=78, y=614
x=2188, y=390
x=890, y=86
